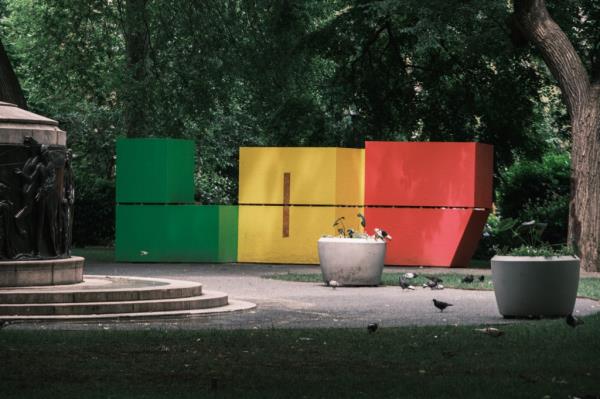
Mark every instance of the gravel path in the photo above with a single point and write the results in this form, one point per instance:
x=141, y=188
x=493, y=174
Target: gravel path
x=282, y=304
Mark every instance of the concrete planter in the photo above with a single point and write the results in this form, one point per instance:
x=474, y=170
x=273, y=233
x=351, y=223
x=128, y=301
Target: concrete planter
x=351, y=261
x=535, y=286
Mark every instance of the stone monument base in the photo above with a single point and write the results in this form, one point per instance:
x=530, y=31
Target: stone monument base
x=37, y=272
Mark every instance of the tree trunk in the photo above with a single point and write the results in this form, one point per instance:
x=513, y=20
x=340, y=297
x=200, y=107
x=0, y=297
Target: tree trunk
x=136, y=45
x=582, y=98
x=10, y=89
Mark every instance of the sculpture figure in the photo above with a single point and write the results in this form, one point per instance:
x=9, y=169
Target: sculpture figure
x=39, y=197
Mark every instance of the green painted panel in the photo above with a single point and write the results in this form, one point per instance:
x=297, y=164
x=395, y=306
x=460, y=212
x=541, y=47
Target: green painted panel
x=176, y=233
x=155, y=170
x=228, y=233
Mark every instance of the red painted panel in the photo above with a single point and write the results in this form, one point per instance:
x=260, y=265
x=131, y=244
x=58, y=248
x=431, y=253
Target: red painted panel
x=428, y=174
x=429, y=236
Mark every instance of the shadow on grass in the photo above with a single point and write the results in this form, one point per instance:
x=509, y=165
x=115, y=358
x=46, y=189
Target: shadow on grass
x=533, y=360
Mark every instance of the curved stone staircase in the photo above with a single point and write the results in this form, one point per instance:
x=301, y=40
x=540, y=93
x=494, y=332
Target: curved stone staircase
x=114, y=297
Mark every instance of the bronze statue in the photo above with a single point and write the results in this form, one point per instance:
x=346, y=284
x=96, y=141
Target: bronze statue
x=40, y=198
x=7, y=250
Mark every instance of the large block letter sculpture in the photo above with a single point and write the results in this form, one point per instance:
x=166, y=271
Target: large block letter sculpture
x=433, y=197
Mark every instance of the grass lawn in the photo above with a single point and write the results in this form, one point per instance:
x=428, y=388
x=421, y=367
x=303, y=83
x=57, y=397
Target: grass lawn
x=532, y=360
x=536, y=359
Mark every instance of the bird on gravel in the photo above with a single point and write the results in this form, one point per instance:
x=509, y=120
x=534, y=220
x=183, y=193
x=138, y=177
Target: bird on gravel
x=468, y=279
x=405, y=284
x=573, y=321
x=333, y=284
x=434, y=285
x=372, y=327
x=441, y=305
x=435, y=279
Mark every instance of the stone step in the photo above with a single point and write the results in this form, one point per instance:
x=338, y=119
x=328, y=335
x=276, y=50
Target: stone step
x=103, y=289
x=207, y=300
x=232, y=306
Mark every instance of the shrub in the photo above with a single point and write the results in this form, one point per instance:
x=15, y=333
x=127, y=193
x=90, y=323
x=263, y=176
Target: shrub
x=94, y=213
x=538, y=190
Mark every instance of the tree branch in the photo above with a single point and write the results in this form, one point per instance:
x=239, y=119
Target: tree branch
x=535, y=22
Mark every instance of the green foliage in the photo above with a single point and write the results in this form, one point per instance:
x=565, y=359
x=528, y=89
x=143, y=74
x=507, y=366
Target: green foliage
x=538, y=190
x=94, y=210
x=509, y=237
x=227, y=73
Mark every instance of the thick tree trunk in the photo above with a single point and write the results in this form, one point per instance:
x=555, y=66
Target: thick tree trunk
x=582, y=98
x=136, y=46
x=10, y=89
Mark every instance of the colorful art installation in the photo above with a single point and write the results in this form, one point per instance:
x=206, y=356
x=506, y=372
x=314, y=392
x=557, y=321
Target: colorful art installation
x=434, y=198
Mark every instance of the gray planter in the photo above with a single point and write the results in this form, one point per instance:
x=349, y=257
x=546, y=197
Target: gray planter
x=535, y=286
x=351, y=261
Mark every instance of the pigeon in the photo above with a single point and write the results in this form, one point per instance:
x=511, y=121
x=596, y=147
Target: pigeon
x=491, y=331
x=350, y=232
x=405, y=284
x=382, y=234
x=441, y=305
x=410, y=275
x=333, y=284
x=435, y=279
x=372, y=327
x=363, y=222
x=468, y=279
x=481, y=278
x=431, y=284
x=573, y=321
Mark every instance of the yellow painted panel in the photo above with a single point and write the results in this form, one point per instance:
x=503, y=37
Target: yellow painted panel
x=350, y=177
x=260, y=237
x=314, y=173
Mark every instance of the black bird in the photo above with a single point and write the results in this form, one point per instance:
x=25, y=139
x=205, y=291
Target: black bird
x=363, y=222
x=382, y=234
x=573, y=321
x=481, y=278
x=468, y=279
x=441, y=305
x=405, y=284
x=372, y=327
x=435, y=279
x=431, y=284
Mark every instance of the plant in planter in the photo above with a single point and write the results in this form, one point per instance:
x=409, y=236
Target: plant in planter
x=352, y=258
x=531, y=277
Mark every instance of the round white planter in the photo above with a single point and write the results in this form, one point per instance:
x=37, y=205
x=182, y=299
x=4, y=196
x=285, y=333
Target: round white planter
x=351, y=261
x=535, y=286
